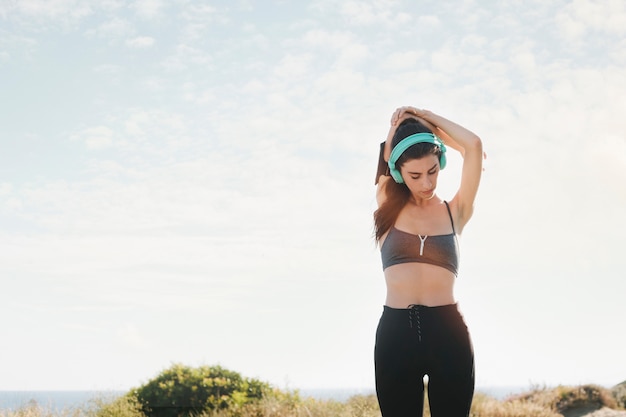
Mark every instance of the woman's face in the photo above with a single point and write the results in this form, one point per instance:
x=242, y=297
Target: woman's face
x=420, y=175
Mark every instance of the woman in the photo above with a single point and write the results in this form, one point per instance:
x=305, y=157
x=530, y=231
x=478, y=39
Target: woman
x=421, y=331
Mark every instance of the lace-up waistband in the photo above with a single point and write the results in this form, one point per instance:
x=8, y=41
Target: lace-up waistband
x=414, y=319
x=420, y=317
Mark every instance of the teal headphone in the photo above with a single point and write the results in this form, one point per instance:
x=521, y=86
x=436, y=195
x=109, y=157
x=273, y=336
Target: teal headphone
x=408, y=142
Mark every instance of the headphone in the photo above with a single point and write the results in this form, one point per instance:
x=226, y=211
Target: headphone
x=409, y=141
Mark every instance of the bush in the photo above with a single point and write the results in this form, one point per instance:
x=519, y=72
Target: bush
x=291, y=405
x=564, y=398
x=32, y=409
x=181, y=391
x=485, y=406
x=363, y=406
x=619, y=393
x=125, y=406
x=539, y=402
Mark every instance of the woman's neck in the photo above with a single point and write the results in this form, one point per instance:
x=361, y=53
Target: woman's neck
x=424, y=202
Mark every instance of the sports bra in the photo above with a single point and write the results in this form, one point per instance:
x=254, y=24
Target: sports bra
x=402, y=247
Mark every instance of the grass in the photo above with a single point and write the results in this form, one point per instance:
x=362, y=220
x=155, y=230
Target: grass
x=537, y=402
x=564, y=399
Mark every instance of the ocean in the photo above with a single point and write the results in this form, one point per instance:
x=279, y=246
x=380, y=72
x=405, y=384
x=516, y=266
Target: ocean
x=63, y=400
x=53, y=400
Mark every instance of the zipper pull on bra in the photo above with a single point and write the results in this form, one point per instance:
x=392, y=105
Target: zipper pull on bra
x=422, y=240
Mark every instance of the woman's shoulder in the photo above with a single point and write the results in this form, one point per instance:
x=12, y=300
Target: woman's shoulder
x=460, y=214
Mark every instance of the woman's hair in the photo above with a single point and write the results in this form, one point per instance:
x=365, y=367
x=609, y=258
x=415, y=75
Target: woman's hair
x=397, y=195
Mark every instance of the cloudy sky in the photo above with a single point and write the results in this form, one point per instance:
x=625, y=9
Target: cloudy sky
x=192, y=181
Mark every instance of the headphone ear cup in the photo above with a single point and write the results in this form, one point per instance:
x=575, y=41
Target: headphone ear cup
x=397, y=177
x=442, y=157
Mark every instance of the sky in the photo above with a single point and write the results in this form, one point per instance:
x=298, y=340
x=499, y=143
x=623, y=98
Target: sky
x=192, y=182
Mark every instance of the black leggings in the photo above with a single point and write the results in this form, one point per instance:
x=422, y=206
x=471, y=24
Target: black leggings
x=419, y=341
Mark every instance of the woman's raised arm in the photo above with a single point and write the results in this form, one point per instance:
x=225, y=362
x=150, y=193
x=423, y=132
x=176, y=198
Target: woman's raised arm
x=467, y=143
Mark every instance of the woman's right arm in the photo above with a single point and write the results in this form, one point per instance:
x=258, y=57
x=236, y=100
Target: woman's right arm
x=383, y=175
x=400, y=115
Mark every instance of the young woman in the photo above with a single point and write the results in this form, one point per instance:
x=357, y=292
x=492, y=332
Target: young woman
x=421, y=331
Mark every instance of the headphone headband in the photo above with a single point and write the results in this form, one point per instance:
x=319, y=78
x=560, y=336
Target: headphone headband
x=405, y=144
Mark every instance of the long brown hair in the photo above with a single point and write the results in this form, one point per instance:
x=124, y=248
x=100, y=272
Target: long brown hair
x=397, y=195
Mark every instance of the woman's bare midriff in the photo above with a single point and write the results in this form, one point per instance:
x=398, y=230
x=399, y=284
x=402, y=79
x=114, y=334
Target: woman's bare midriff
x=417, y=283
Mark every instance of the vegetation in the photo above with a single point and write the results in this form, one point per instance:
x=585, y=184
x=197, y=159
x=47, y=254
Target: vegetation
x=619, y=393
x=181, y=391
x=563, y=399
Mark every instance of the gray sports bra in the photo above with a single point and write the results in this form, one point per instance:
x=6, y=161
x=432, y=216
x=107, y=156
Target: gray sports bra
x=402, y=247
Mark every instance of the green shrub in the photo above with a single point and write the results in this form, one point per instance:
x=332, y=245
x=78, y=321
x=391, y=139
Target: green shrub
x=182, y=391
x=125, y=406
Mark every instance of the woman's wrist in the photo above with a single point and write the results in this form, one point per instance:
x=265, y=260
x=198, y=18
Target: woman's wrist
x=427, y=115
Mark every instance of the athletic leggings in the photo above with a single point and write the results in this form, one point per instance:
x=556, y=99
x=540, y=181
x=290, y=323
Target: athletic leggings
x=419, y=341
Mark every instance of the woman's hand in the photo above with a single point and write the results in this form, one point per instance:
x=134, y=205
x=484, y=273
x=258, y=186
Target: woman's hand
x=398, y=116
x=409, y=112
x=403, y=113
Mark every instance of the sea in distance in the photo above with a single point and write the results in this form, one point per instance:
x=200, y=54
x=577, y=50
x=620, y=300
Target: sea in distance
x=63, y=400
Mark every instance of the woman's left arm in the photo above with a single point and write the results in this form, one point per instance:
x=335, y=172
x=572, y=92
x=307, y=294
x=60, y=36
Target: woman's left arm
x=471, y=148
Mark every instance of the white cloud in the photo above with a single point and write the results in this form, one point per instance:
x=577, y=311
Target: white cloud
x=147, y=133
x=326, y=39
x=195, y=94
x=115, y=28
x=447, y=60
x=195, y=31
x=212, y=189
x=14, y=45
x=474, y=41
x=617, y=52
x=185, y=57
x=199, y=19
x=144, y=124
x=109, y=69
x=402, y=60
x=365, y=13
x=53, y=9
x=99, y=137
x=350, y=51
x=5, y=8
x=198, y=12
x=154, y=83
x=148, y=9
x=429, y=21
x=523, y=58
x=582, y=16
x=294, y=65
x=112, y=5
x=140, y=42
x=5, y=189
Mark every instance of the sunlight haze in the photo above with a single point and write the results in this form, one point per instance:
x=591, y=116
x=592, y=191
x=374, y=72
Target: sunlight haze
x=193, y=182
